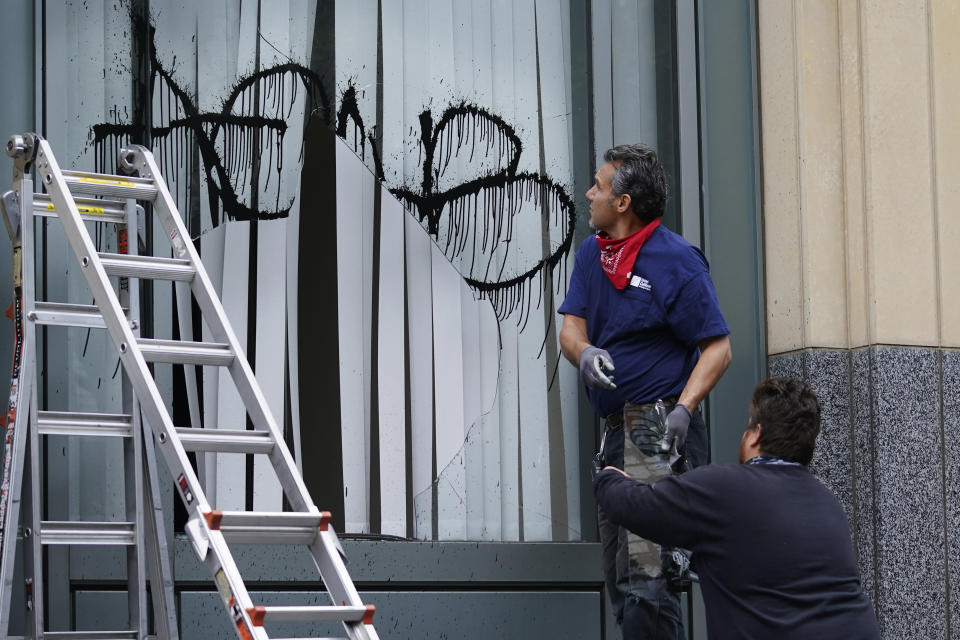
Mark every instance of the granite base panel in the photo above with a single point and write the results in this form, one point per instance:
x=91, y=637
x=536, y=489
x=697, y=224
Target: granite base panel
x=863, y=524
x=890, y=450
x=951, y=439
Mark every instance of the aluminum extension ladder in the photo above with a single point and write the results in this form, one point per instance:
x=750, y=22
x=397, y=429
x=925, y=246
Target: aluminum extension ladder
x=208, y=529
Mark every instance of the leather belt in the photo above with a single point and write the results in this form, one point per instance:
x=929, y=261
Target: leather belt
x=614, y=420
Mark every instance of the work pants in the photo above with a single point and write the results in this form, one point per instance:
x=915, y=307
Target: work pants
x=645, y=609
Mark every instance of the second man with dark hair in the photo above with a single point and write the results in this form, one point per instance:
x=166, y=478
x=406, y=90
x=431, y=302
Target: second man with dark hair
x=771, y=543
x=641, y=305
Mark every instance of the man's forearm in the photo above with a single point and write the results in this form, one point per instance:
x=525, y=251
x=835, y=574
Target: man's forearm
x=715, y=357
x=573, y=338
x=615, y=492
x=571, y=348
x=667, y=512
x=630, y=504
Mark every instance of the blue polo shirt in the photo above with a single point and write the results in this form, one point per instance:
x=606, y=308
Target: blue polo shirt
x=651, y=328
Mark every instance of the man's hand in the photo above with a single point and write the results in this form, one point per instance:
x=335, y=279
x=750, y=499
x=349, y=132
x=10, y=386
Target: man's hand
x=620, y=471
x=678, y=421
x=593, y=361
x=596, y=466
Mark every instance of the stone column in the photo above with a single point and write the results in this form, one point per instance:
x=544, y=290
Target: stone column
x=860, y=112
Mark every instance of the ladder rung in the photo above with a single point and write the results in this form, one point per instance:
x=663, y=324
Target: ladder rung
x=225, y=440
x=67, y=315
x=179, y=352
x=311, y=519
x=122, y=264
x=60, y=532
x=63, y=423
x=260, y=615
x=91, y=209
x=267, y=527
x=90, y=635
x=101, y=184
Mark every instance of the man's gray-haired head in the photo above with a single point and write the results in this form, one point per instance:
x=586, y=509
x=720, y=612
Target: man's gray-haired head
x=639, y=174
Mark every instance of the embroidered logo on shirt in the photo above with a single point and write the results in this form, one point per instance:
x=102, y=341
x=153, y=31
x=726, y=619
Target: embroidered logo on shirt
x=641, y=282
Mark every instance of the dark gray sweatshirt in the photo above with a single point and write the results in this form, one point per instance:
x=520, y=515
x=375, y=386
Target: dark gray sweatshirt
x=771, y=545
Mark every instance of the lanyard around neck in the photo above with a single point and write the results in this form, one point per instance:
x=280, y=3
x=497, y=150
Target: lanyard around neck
x=773, y=460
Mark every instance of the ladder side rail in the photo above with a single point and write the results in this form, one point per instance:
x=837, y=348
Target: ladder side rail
x=17, y=459
x=133, y=454
x=213, y=312
x=133, y=506
x=32, y=540
x=133, y=212
x=19, y=451
x=158, y=553
x=151, y=402
x=326, y=555
x=22, y=386
x=226, y=575
x=33, y=512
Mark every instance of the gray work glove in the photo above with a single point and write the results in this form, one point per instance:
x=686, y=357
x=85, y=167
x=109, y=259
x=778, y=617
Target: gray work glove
x=597, y=463
x=593, y=361
x=678, y=421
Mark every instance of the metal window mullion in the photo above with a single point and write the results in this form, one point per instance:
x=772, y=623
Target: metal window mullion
x=688, y=122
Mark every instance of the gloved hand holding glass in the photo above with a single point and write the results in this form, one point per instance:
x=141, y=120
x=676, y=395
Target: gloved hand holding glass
x=678, y=421
x=593, y=362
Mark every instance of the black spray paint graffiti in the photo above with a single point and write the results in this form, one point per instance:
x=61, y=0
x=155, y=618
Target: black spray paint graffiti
x=484, y=210
x=253, y=116
x=473, y=220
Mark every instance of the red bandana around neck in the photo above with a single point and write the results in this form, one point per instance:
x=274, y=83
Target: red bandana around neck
x=618, y=256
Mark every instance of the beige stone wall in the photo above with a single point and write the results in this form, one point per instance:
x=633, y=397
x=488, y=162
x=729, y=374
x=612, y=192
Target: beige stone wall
x=860, y=112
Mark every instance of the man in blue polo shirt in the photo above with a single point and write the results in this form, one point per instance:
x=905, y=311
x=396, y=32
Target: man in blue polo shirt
x=641, y=296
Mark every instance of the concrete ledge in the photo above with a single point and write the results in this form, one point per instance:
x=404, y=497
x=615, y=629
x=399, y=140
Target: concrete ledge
x=567, y=565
